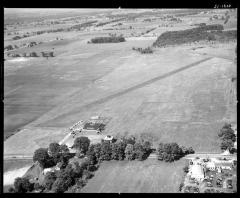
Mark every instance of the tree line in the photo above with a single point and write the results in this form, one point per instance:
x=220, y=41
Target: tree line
x=147, y=50
x=72, y=177
x=110, y=39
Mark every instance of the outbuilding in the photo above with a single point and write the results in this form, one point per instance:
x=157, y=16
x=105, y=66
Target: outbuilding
x=109, y=138
x=197, y=172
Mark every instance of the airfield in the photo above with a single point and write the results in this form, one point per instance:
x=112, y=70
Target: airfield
x=177, y=94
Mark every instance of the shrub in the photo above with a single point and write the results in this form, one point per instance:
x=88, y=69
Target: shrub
x=16, y=37
x=33, y=54
x=186, y=169
x=11, y=190
x=211, y=37
x=147, y=50
x=22, y=185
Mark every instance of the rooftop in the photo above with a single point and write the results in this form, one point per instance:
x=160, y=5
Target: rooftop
x=196, y=170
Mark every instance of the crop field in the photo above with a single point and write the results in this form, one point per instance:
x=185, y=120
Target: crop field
x=150, y=176
x=178, y=93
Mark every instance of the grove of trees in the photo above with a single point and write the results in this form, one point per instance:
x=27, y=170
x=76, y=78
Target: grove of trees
x=55, y=153
x=72, y=176
x=110, y=39
x=207, y=32
x=170, y=152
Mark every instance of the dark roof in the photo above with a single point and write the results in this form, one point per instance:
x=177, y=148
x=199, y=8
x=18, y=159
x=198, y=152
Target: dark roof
x=93, y=126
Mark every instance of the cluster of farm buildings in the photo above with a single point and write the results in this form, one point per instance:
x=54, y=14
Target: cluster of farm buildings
x=91, y=128
x=211, y=173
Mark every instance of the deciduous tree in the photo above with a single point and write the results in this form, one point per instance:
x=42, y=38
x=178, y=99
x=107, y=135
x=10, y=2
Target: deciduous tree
x=41, y=155
x=106, y=151
x=49, y=179
x=81, y=144
x=129, y=152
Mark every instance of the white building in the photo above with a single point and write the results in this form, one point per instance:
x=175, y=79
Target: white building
x=210, y=165
x=197, y=172
x=108, y=138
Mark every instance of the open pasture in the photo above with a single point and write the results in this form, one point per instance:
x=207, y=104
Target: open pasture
x=149, y=176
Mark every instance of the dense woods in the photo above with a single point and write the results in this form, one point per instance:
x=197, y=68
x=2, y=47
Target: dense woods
x=203, y=32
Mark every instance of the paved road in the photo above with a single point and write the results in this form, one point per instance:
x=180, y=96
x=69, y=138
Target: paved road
x=151, y=156
x=201, y=155
x=11, y=157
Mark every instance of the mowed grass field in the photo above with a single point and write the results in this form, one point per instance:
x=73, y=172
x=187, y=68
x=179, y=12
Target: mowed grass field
x=149, y=176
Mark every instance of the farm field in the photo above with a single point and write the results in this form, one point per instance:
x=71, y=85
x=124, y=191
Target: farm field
x=12, y=164
x=149, y=176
